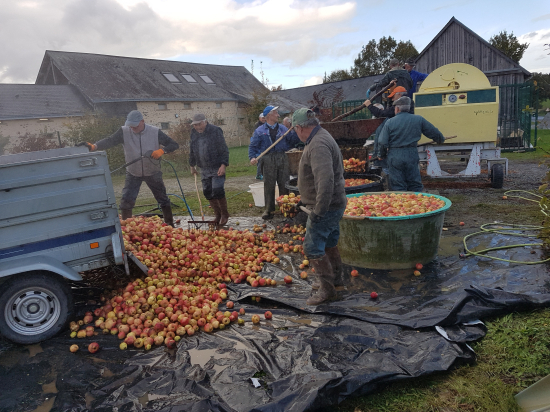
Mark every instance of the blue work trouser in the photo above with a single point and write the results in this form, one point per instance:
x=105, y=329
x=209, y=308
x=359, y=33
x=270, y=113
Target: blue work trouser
x=322, y=234
x=212, y=184
x=403, y=168
x=133, y=183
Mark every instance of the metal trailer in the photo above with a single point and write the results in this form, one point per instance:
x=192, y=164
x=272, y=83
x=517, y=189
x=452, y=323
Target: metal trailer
x=459, y=100
x=58, y=217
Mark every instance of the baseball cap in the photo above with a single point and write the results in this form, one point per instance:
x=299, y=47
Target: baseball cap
x=133, y=118
x=197, y=118
x=398, y=89
x=410, y=61
x=300, y=116
x=269, y=109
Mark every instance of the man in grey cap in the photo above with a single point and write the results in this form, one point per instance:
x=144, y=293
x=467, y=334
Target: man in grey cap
x=209, y=151
x=146, y=143
x=416, y=77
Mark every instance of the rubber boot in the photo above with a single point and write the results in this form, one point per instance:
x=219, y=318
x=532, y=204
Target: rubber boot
x=167, y=213
x=214, y=203
x=325, y=275
x=336, y=262
x=222, y=204
x=125, y=214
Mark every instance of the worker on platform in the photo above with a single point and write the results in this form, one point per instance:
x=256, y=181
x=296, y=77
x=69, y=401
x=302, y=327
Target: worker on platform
x=322, y=190
x=275, y=162
x=260, y=122
x=386, y=113
x=396, y=72
x=209, y=151
x=415, y=76
x=138, y=140
x=398, y=141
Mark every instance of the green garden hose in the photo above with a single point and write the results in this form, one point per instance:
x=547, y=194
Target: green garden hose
x=509, y=229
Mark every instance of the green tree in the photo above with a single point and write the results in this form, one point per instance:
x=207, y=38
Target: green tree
x=543, y=86
x=337, y=75
x=93, y=127
x=260, y=99
x=509, y=45
x=375, y=57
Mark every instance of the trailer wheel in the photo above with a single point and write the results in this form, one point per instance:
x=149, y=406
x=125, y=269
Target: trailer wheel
x=497, y=176
x=34, y=307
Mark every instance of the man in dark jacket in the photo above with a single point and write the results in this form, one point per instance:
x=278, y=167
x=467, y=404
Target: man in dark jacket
x=399, y=139
x=403, y=78
x=140, y=139
x=322, y=190
x=209, y=151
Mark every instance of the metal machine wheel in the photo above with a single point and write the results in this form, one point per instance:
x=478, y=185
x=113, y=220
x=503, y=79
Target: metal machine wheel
x=34, y=307
x=497, y=176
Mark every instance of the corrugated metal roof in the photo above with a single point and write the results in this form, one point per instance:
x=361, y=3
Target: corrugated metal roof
x=354, y=89
x=103, y=78
x=30, y=101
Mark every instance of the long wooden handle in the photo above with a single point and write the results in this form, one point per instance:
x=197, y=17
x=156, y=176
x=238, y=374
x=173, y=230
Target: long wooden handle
x=446, y=138
x=273, y=145
x=200, y=203
x=363, y=105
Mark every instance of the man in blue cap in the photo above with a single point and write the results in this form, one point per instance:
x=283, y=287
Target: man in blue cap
x=275, y=162
x=147, y=143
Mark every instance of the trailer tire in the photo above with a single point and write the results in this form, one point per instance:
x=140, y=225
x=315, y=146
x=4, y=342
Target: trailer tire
x=497, y=176
x=34, y=307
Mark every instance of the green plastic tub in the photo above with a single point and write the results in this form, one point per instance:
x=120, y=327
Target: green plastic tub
x=393, y=242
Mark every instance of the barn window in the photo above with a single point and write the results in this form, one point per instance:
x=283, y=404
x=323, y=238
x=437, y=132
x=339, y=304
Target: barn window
x=187, y=105
x=162, y=106
x=206, y=79
x=188, y=77
x=218, y=105
x=165, y=125
x=171, y=78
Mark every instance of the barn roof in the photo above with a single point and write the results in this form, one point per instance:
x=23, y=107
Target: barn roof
x=102, y=78
x=30, y=101
x=481, y=39
x=354, y=89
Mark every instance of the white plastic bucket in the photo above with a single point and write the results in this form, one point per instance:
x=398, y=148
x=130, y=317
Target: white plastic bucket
x=257, y=190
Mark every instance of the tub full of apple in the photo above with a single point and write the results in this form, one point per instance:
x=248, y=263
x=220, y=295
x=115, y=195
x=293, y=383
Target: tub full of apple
x=391, y=230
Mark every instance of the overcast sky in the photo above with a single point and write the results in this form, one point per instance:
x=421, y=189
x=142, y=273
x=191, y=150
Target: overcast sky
x=294, y=41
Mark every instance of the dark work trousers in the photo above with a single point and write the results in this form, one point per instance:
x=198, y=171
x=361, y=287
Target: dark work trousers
x=276, y=171
x=404, y=171
x=133, y=183
x=212, y=184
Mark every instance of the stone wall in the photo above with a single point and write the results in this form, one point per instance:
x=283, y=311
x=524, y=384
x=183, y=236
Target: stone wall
x=228, y=115
x=16, y=129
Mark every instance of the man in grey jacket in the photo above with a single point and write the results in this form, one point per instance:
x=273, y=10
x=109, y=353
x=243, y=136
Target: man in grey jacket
x=150, y=143
x=322, y=191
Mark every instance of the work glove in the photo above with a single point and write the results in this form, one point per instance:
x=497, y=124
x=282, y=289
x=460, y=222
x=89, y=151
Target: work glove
x=314, y=218
x=368, y=93
x=157, y=154
x=91, y=147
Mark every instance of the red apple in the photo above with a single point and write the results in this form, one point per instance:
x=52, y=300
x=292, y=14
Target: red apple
x=373, y=295
x=93, y=347
x=268, y=315
x=354, y=273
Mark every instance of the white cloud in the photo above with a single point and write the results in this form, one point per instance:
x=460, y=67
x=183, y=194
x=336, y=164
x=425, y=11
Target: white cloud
x=312, y=81
x=536, y=57
x=293, y=31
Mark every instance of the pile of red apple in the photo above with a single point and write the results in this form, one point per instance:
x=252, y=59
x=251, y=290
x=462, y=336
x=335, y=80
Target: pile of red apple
x=392, y=204
x=184, y=290
x=354, y=165
x=358, y=182
x=287, y=204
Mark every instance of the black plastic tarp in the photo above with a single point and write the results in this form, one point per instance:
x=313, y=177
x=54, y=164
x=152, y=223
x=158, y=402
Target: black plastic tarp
x=304, y=358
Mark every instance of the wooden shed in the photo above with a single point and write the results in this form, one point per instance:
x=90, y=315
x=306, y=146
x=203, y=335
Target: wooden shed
x=456, y=43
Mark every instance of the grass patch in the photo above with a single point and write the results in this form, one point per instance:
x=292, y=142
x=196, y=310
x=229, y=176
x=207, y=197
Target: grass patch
x=543, y=147
x=514, y=355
